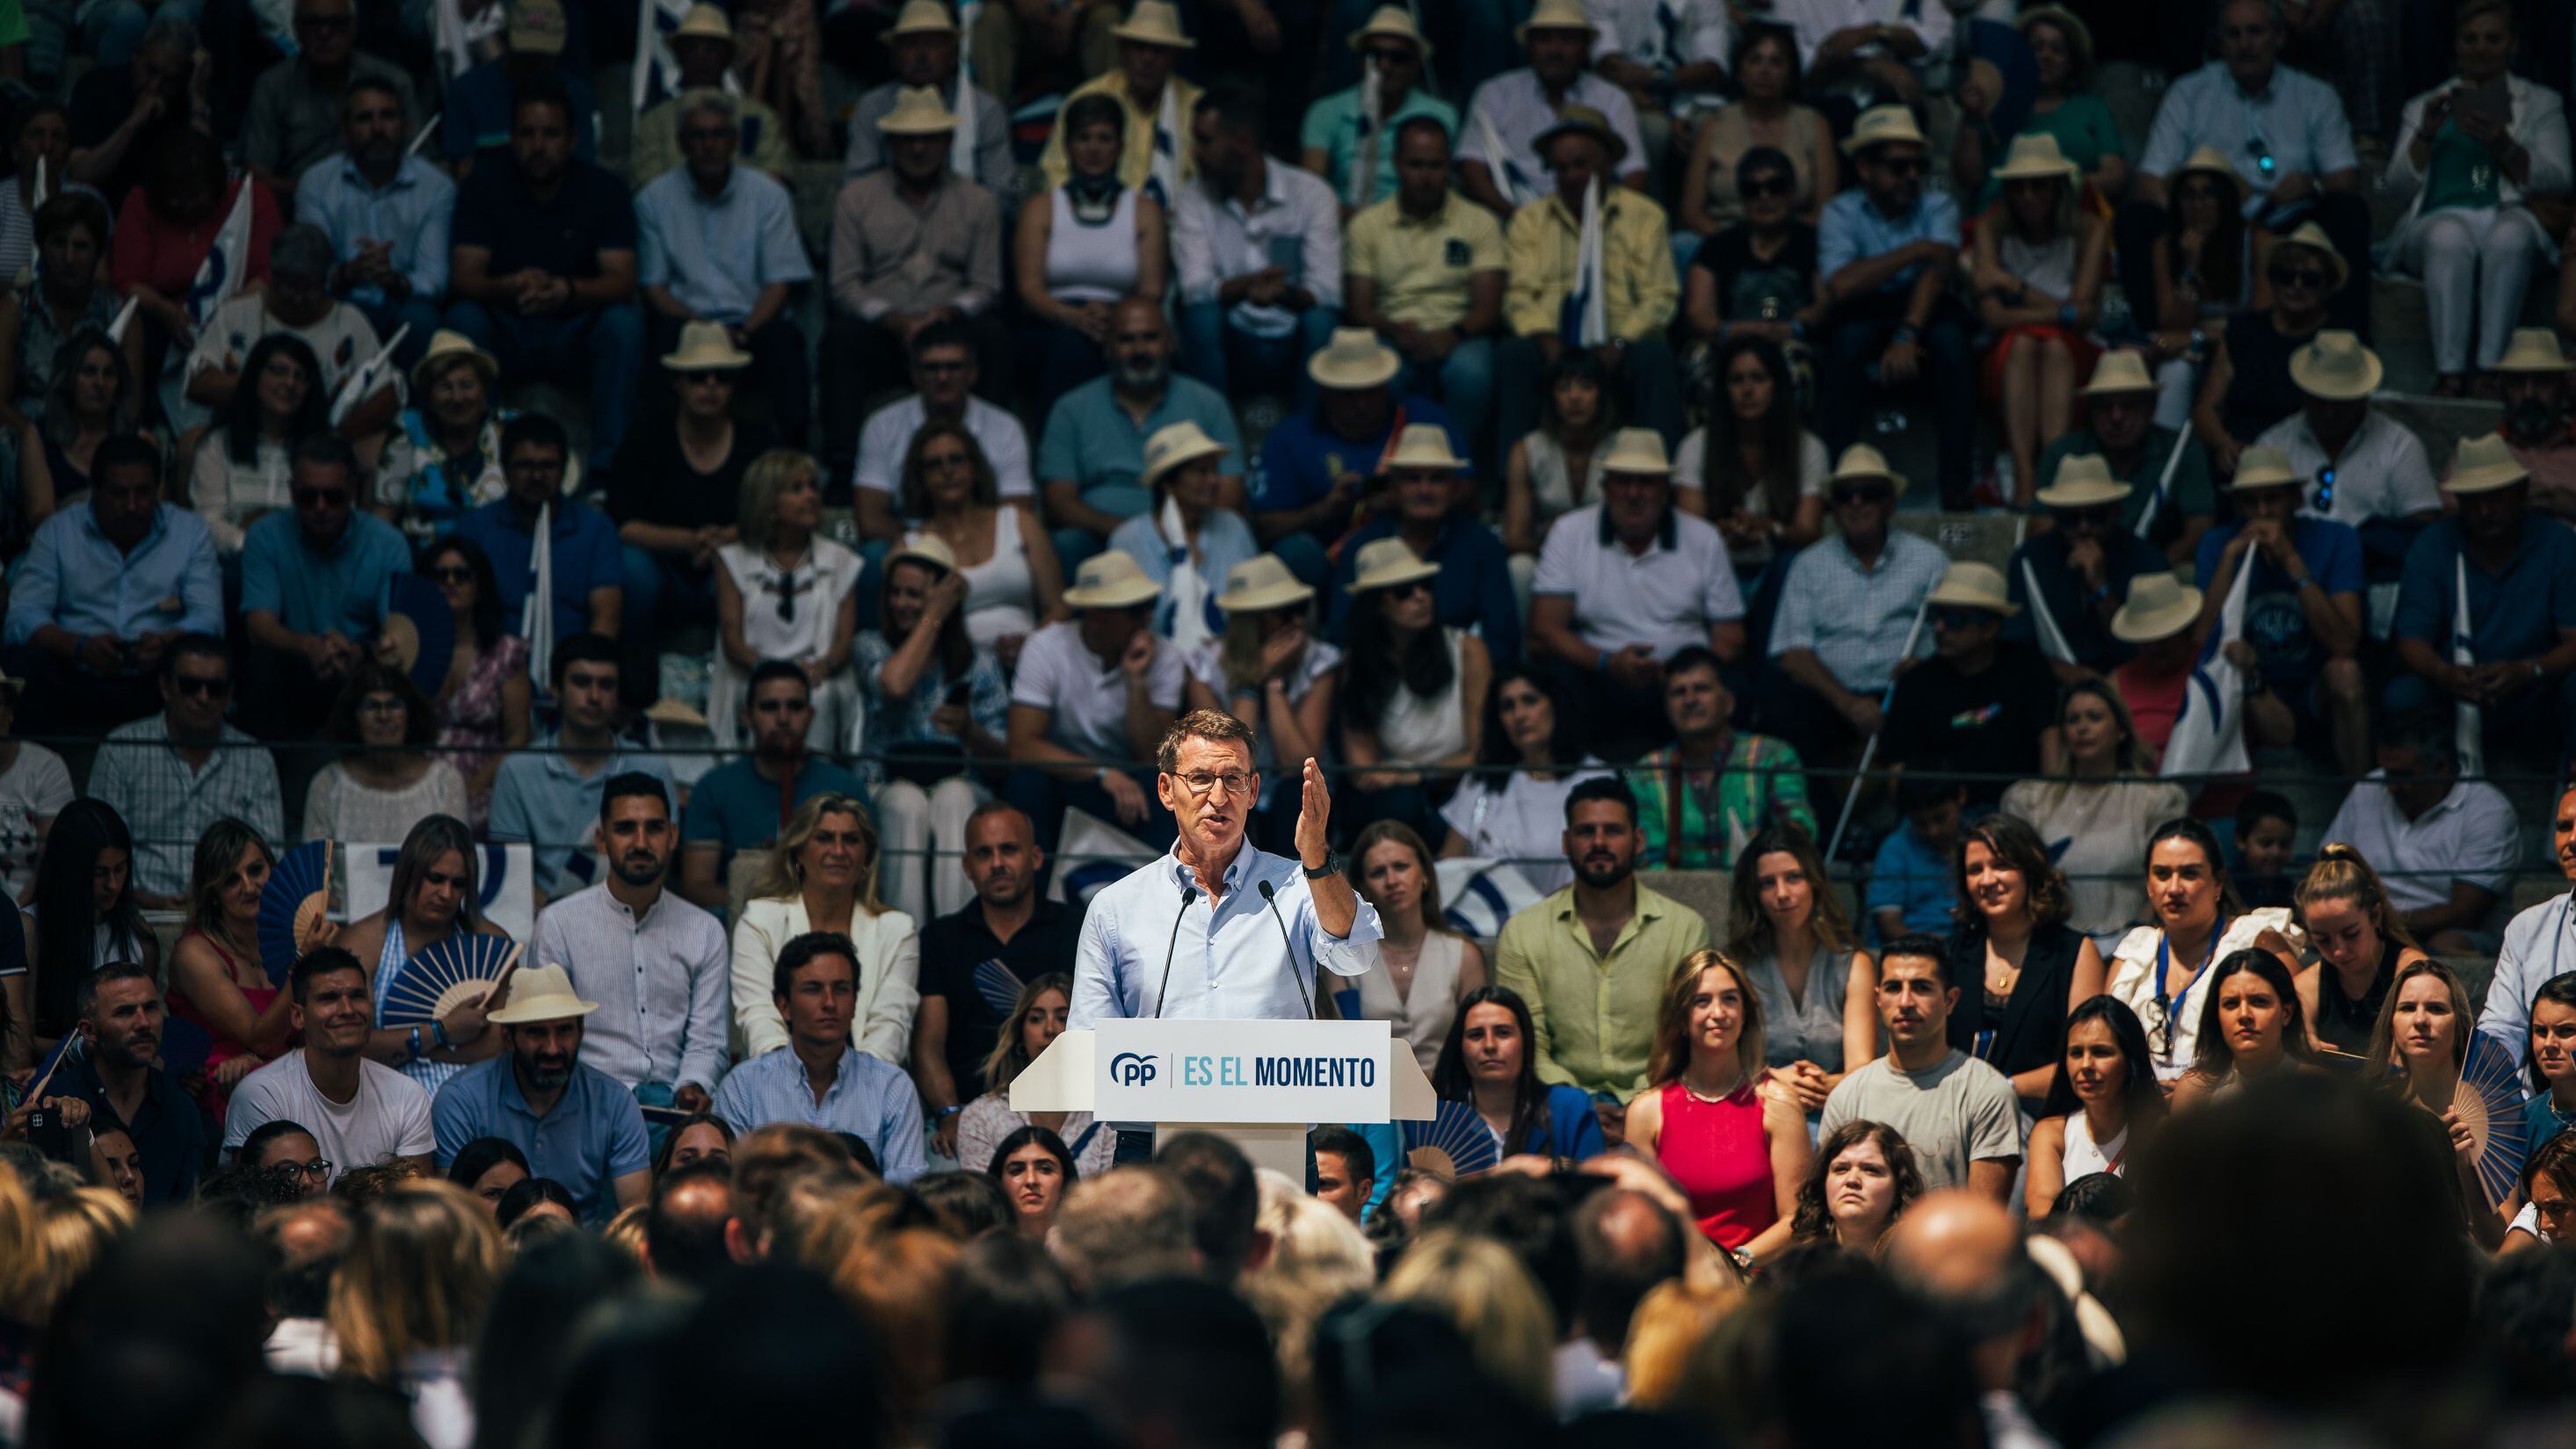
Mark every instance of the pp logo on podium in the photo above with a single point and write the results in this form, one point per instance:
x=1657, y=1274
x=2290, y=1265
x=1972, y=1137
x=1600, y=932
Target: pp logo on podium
x=1131, y=1069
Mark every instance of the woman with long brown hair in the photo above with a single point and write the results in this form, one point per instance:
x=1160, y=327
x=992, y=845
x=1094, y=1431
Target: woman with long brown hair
x=822, y=876
x=216, y=979
x=1430, y=968
x=2102, y=803
x=1740, y=1151
x=2361, y=946
x=2019, y=967
x=434, y=895
x=1006, y=558
x=408, y=1304
x=2250, y=1027
x=1037, y=1019
x=2167, y=972
x=1799, y=953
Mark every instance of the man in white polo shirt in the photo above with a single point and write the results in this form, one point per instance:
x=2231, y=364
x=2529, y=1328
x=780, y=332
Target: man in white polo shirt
x=1625, y=583
x=1089, y=706
x=943, y=380
x=2447, y=847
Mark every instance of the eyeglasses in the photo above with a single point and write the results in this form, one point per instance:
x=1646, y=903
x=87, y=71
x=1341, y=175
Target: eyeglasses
x=1843, y=494
x=2324, y=502
x=1407, y=589
x=2094, y=517
x=452, y=574
x=2312, y=277
x=198, y=684
x=318, y=1167
x=1769, y=185
x=1202, y=784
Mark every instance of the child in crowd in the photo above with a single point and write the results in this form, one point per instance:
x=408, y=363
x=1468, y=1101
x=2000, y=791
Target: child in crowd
x=2266, y=827
x=1914, y=883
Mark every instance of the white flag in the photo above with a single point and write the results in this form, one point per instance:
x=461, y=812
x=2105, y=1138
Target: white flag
x=965, y=138
x=1164, y=179
x=1509, y=179
x=220, y=275
x=1363, y=178
x=2472, y=722
x=362, y=384
x=1589, y=324
x=2209, y=734
x=2164, y=486
x=124, y=319
x=537, y=620
x=426, y=131
x=44, y=192
x=657, y=70
x=2052, y=639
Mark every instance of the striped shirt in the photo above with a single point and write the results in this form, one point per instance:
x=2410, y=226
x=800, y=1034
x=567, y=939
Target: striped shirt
x=1856, y=619
x=168, y=805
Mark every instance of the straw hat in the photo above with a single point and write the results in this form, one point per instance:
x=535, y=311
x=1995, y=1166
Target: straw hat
x=2119, y=373
x=928, y=548
x=2159, y=607
x=1111, y=581
x=1636, y=451
x=921, y=17
x=708, y=22
x=1884, y=126
x=1424, y=445
x=2534, y=349
x=1557, y=15
x=1174, y=444
x=1386, y=562
x=918, y=111
x=1260, y=584
x=2335, y=366
x=2213, y=161
x=1860, y=461
x=2035, y=157
x=706, y=347
x=541, y=993
x=537, y=27
x=2262, y=467
x=673, y=712
x=445, y=347
x=2314, y=238
x=2483, y=465
x=1581, y=120
x=2083, y=481
x=1354, y=359
x=1154, y=22
x=1973, y=586
x=2078, y=34
x=1394, y=22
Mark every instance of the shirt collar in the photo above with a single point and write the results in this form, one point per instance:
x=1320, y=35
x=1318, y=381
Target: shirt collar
x=1235, y=869
x=1438, y=218
x=733, y=179
x=1667, y=537
x=404, y=176
x=160, y=525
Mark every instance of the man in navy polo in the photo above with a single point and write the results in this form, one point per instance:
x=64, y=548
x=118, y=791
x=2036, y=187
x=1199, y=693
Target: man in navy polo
x=575, y=1124
x=121, y=1018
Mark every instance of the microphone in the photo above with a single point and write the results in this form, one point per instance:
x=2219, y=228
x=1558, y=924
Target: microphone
x=1188, y=894
x=1270, y=899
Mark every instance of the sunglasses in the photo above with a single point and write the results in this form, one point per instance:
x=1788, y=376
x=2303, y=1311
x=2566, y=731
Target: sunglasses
x=1845, y=494
x=1391, y=55
x=705, y=375
x=2310, y=277
x=1408, y=589
x=1903, y=165
x=2094, y=517
x=1771, y=184
x=1947, y=618
x=198, y=684
x=320, y=497
x=452, y=574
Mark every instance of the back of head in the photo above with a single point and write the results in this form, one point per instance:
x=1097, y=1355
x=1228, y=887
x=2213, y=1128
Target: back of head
x=902, y=1284
x=2526, y=1310
x=684, y=1237
x=1225, y=1199
x=530, y=1339
x=1127, y=1223
x=1529, y=1216
x=127, y=1363
x=420, y=1272
x=1627, y=1244
x=796, y=1363
x=1188, y=1364
x=1008, y=1300
x=765, y=1158
x=298, y=1411
x=1482, y=1288
x=969, y=1204
x=1846, y=1337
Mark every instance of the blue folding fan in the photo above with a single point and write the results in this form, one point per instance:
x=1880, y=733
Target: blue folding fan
x=422, y=630
x=998, y=985
x=2490, y=1102
x=293, y=906
x=1454, y=1143
x=438, y=979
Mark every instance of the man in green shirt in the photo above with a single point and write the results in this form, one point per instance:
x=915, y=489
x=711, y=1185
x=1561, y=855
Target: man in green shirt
x=1593, y=959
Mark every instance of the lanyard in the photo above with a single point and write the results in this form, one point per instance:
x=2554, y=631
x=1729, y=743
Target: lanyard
x=2167, y=1005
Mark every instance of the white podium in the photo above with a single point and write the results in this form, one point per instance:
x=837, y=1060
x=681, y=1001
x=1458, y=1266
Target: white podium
x=1258, y=1084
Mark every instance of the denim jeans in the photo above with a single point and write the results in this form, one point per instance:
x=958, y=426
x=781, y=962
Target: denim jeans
x=602, y=347
x=1236, y=363
x=662, y=593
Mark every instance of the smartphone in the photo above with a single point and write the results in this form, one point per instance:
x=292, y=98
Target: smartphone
x=2493, y=99
x=1288, y=254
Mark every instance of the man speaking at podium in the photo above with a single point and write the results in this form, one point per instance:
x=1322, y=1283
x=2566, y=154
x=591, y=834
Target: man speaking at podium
x=1218, y=930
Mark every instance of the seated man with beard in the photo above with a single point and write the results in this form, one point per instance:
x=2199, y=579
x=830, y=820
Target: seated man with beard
x=2536, y=394
x=1091, y=458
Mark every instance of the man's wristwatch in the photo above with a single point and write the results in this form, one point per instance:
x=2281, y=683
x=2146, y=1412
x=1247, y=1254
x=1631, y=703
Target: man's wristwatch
x=1332, y=866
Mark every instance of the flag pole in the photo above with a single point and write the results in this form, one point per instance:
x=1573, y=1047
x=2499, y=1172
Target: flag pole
x=1869, y=751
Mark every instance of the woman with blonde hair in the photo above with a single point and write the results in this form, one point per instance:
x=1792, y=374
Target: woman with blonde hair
x=1481, y=1289
x=1818, y=993
x=216, y=979
x=1430, y=968
x=2361, y=946
x=72, y=1230
x=1665, y=1334
x=2095, y=813
x=1037, y=1019
x=409, y=1302
x=822, y=876
x=785, y=591
x=2424, y=1031
x=1739, y=1151
x=901, y=1283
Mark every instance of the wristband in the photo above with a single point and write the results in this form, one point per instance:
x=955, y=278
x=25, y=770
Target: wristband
x=415, y=1043
x=947, y=1112
x=438, y=1034
x=1904, y=334
x=1602, y=664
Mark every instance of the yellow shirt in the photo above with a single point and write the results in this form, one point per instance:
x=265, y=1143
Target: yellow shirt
x=1636, y=265
x=1592, y=1017
x=1137, y=161
x=1421, y=267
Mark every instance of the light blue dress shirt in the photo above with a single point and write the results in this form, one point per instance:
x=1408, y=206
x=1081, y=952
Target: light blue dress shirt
x=1853, y=228
x=413, y=212
x=592, y=1135
x=1232, y=960
x=870, y=1100
x=716, y=256
x=2298, y=122
x=539, y=799
x=74, y=579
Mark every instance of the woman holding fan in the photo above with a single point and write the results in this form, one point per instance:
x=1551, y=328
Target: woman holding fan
x=2424, y=1032
x=1488, y=1063
x=217, y=979
x=436, y=897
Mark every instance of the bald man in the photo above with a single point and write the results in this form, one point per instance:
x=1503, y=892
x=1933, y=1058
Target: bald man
x=1091, y=457
x=1963, y=1252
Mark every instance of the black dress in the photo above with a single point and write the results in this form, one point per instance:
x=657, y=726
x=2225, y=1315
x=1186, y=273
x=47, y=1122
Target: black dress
x=2030, y=1031
x=2343, y=1023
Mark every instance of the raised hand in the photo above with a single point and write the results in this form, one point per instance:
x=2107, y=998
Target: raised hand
x=1314, y=813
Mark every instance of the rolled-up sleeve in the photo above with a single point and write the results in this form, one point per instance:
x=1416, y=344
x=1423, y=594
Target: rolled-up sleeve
x=1353, y=955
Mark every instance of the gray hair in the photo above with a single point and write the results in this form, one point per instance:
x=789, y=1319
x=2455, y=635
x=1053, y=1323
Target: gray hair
x=708, y=98
x=301, y=252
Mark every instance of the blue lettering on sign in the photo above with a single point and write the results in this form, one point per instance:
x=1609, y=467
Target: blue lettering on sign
x=1314, y=1072
x=1131, y=1069
x=1198, y=1071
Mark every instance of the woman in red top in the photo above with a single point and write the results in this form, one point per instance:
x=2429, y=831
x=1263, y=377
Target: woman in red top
x=1737, y=1146
x=216, y=979
x=167, y=224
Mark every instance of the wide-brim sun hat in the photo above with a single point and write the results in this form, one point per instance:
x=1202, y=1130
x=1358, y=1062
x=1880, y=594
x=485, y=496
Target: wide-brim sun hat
x=1390, y=22
x=1556, y=15
x=1424, y=445
x=2483, y=465
x=2035, y=157
x=2312, y=237
x=2534, y=349
x=923, y=548
x=2213, y=161
x=536, y=27
x=2335, y=367
x=1111, y=581
x=1154, y=22
x=2262, y=466
x=1861, y=463
x=708, y=22
x=920, y=17
x=2083, y=481
x=1175, y=444
x=1884, y=126
x=2119, y=373
x=541, y=993
x=1385, y=562
x=1972, y=585
x=1262, y=583
x=1636, y=451
x=446, y=347
x=1354, y=359
x=2159, y=606
x=706, y=347
x=918, y=111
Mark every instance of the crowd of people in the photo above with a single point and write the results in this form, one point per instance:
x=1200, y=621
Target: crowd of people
x=1494, y=416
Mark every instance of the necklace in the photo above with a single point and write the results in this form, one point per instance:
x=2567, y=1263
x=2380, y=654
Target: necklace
x=1696, y=1095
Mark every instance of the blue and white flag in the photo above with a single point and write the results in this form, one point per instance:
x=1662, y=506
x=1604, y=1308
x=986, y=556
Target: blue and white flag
x=1514, y=183
x=2164, y=486
x=2472, y=744
x=657, y=70
x=1477, y=896
x=1585, y=321
x=2052, y=639
x=537, y=619
x=1091, y=853
x=963, y=140
x=227, y=262
x=2209, y=733
x=371, y=375
x=1163, y=180
x=1363, y=177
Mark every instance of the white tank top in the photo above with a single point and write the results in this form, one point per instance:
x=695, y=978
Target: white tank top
x=1092, y=263
x=1417, y=731
x=2083, y=1156
x=1001, y=599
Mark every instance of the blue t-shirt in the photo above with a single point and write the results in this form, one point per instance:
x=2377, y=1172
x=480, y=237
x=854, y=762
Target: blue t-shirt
x=315, y=593
x=1472, y=591
x=737, y=809
x=2274, y=624
x=1911, y=877
x=586, y=557
x=1300, y=461
x=2513, y=614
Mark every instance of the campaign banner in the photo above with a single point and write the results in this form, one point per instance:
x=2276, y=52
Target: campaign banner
x=1149, y=1070
x=505, y=879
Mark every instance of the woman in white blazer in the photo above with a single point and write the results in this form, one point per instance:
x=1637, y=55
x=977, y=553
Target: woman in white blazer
x=2469, y=234
x=823, y=877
